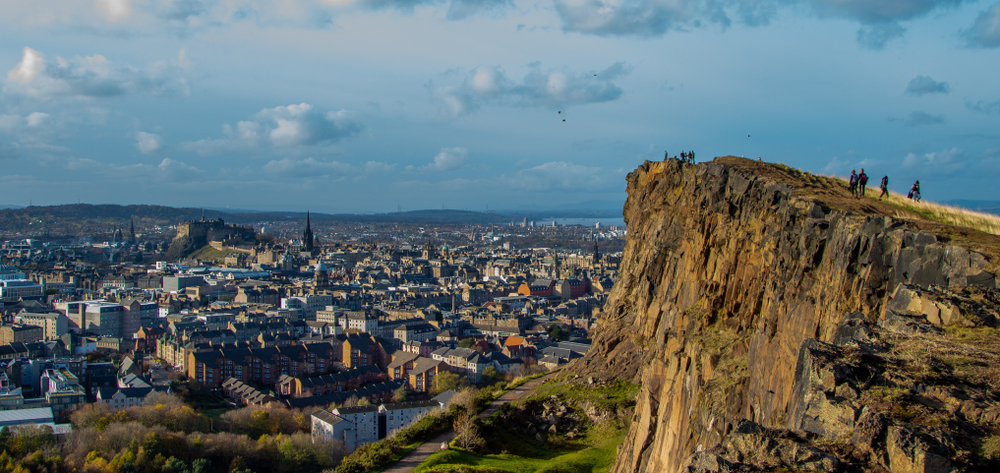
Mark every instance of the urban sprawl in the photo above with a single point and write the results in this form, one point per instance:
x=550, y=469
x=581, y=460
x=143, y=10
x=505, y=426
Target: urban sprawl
x=346, y=321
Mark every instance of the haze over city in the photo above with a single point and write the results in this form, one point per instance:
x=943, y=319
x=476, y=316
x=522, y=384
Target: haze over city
x=371, y=105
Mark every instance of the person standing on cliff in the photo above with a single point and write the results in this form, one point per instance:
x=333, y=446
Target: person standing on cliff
x=691, y=156
x=915, y=191
x=862, y=183
x=884, y=185
x=684, y=156
x=853, y=184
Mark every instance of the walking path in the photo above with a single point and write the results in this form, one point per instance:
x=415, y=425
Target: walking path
x=428, y=448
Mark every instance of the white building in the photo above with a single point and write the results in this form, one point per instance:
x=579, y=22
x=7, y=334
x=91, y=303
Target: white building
x=14, y=285
x=399, y=415
x=309, y=304
x=359, y=321
x=363, y=423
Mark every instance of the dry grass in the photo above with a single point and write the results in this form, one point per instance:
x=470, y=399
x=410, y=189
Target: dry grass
x=946, y=214
x=973, y=230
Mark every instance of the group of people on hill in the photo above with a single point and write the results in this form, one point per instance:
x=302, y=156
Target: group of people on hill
x=858, y=183
x=686, y=156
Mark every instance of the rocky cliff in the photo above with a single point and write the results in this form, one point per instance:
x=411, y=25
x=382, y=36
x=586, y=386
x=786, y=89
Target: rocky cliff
x=775, y=322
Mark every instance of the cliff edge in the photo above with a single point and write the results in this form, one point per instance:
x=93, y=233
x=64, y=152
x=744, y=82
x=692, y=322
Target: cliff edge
x=773, y=321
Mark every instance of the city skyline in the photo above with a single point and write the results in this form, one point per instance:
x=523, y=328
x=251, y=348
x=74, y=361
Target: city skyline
x=371, y=106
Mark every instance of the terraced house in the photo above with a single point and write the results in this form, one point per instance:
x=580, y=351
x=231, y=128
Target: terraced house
x=260, y=365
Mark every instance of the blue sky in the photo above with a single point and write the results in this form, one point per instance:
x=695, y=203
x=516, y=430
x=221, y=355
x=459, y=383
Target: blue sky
x=373, y=105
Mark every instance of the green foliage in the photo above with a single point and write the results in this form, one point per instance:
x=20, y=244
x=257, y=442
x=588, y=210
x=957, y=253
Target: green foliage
x=556, y=333
x=466, y=342
x=447, y=380
x=491, y=375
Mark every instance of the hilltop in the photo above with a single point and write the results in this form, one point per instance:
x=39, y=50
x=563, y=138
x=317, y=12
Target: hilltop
x=776, y=323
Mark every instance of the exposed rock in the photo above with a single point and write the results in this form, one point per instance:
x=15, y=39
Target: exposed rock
x=748, y=291
x=910, y=454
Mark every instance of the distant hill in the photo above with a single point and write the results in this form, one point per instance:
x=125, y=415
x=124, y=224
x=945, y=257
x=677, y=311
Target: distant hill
x=89, y=218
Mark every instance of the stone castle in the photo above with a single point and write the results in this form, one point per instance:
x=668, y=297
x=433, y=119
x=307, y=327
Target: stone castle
x=196, y=234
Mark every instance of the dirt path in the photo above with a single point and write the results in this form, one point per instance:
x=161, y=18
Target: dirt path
x=426, y=449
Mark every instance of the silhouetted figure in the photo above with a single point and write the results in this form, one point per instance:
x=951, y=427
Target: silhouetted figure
x=684, y=156
x=852, y=184
x=862, y=183
x=691, y=155
x=915, y=192
x=884, y=185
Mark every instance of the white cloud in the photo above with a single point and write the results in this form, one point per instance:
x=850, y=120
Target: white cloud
x=936, y=163
x=168, y=170
x=113, y=10
x=378, y=167
x=282, y=127
x=91, y=77
x=309, y=168
x=553, y=88
x=450, y=159
x=31, y=63
x=562, y=176
x=148, y=143
x=33, y=130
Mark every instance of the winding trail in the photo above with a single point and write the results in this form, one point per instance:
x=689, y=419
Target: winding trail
x=428, y=448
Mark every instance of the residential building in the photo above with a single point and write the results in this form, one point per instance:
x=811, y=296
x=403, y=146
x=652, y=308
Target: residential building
x=399, y=415
x=20, y=333
x=53, y=324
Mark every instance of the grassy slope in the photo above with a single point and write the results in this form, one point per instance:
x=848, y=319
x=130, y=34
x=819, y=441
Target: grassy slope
x=832, y=192
x=592, y=453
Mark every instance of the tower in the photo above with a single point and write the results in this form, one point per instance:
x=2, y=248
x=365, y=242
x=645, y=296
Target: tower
x=131, y=238
x=307, y=235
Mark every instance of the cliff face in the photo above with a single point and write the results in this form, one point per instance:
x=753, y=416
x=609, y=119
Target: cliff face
x=746, y=297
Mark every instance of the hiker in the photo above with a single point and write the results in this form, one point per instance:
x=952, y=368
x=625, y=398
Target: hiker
x=853, y=184
x=884, y=185
x=691, y=156
x=666, y=156
x=915, y=192
x=684, y=156
x=862, y=183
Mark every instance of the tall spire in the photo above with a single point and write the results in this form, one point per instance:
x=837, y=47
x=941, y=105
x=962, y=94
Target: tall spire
x=307, y=235
x=132, y=231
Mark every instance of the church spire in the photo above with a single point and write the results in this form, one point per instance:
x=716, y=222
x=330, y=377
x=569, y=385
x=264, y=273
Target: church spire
x=307, y=235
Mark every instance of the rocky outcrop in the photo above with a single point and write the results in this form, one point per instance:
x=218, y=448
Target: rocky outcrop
x=749, y=292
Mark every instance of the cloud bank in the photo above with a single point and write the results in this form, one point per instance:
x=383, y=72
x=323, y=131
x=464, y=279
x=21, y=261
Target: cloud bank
x=552, y=88
x=985, y=31
x=281, y=127
x=91, y=77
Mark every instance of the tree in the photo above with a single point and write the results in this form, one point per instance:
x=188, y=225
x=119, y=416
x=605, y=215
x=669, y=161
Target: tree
x=466, y=342
x=467, y=431
x=449, y=381
x=556, y=333
x=491, y=375
x=399, y=395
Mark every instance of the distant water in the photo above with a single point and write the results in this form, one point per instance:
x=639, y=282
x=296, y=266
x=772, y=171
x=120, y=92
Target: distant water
x=587, y=222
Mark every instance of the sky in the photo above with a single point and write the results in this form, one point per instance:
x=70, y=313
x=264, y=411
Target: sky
x=382, y=105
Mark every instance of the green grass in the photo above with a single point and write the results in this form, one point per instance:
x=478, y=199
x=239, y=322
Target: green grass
x=207, y=253
x=215, y=412
x=593, y=454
